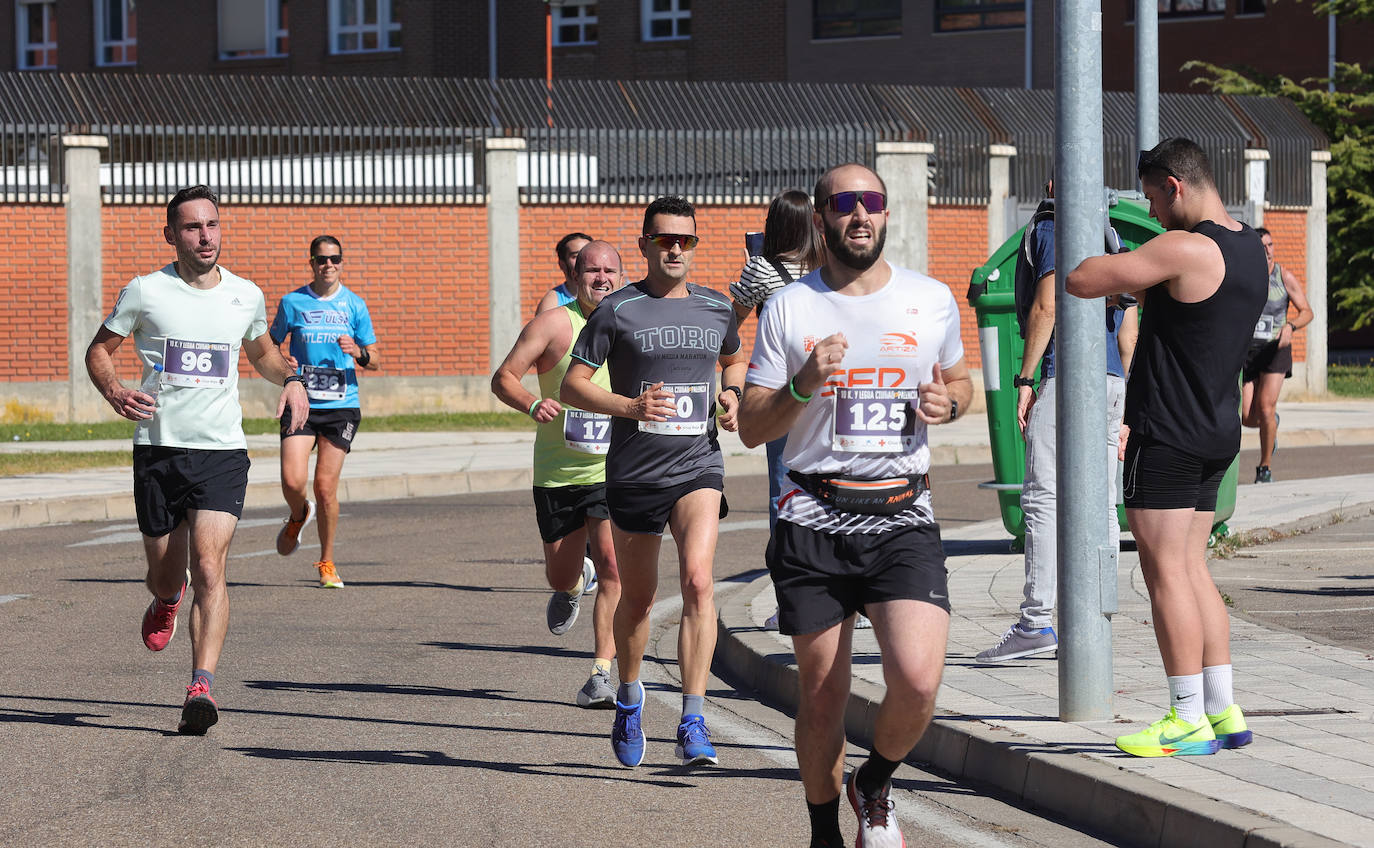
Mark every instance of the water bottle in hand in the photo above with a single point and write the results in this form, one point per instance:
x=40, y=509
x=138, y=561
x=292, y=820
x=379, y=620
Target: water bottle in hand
x=153, y=384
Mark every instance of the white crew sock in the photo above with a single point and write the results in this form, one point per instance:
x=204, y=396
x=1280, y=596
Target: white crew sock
x=1216, y=687
x=1185, y=696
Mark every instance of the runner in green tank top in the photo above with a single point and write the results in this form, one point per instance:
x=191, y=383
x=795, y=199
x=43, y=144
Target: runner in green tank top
x=570, y=465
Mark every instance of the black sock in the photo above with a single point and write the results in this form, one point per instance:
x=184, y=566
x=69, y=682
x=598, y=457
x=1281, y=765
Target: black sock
x=209, y=677
x=874, y=774
x=825, y=824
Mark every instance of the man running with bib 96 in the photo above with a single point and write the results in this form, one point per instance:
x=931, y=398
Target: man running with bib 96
x=570, y=464
x=190, y=320
x=853, y=363
x=661, y=338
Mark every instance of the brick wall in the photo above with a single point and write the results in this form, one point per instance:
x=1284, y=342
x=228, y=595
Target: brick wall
x=423, y=269
x=958, y=244
x=33, y=289
x=1289, y=229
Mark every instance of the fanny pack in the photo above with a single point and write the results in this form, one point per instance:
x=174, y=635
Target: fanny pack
x=888, y=496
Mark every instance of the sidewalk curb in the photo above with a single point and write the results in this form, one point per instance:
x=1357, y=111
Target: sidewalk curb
x=1112, y=802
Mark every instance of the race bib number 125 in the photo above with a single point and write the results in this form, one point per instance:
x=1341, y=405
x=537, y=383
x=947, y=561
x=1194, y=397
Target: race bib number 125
x=875, y=420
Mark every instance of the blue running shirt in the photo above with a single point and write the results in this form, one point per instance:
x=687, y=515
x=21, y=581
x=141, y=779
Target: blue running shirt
x=565, y=296
x=642, y=340
x=315, y=324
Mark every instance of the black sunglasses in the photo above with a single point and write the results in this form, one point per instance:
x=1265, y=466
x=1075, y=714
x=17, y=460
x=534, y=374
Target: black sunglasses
x=843, y=202
x=1147, y=162
x=667, y=240
x=321, y=260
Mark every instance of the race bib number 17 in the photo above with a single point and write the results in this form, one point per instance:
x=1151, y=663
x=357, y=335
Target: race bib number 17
x=586, y=432
x=875, y=420
x=196, y=365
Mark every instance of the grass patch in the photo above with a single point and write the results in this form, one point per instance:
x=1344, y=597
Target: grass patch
x=16, y=464
x=1351, y=380
x=46, y=431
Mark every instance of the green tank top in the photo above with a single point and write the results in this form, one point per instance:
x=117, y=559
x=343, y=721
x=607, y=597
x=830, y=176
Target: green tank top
x=556, y=463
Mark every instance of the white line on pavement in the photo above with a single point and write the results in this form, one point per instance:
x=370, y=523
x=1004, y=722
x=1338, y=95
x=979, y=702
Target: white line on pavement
x=7, y=598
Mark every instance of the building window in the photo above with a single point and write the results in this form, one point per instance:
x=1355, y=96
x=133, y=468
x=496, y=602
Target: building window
x=1250, y=7
x=115, y=42
x=36, y=28
x=574, y=23
x=364, y=26
x=667, y=20
x=855, y=18
x=963, y=15
x=1195, y=8
x=251, y=29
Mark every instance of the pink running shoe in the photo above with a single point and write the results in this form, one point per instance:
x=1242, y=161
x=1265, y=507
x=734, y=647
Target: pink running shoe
x=200, y=712
x=160, y=622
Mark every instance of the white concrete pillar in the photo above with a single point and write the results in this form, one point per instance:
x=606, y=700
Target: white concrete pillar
x=503, y=246
x=999, y=190
x=1316, y=275
x=85, y=269
x=905, y=167
x=1256, y=176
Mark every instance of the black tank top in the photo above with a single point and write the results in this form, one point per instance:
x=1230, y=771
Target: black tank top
x=1184, y=388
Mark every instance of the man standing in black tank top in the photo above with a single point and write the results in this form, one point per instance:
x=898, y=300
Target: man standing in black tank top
x=1205, y=286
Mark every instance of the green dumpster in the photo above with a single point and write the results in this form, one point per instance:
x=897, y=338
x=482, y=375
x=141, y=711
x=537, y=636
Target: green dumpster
x=992, y=295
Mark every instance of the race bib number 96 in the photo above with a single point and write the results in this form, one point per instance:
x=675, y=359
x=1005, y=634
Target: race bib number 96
x=196, y=364
x=586, y=432
x=875, y=420
x=693, y=403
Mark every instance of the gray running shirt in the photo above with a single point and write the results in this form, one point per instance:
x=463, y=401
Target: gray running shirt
x=642, y=340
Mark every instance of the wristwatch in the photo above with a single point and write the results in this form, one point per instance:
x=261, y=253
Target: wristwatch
x=953, y=409
x=1018, y=381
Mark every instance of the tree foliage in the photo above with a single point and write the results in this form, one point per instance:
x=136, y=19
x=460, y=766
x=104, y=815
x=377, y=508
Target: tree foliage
x=1346, y=115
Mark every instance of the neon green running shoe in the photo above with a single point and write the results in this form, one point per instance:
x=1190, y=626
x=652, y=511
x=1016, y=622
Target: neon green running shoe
x=1171, y=736
x=1230, y=728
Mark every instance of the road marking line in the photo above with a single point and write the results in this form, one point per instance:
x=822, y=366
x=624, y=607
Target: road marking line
x=1307, y=611
x=7, y=598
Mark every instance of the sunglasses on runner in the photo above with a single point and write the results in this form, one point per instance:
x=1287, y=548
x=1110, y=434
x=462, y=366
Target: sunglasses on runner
x=843, y=202
x=321, y=260
x=1147, y=162
x=667, y=240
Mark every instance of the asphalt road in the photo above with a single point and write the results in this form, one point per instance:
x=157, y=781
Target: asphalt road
x=425, y=703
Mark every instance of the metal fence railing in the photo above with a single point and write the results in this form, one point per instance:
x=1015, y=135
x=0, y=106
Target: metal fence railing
x=378, y=140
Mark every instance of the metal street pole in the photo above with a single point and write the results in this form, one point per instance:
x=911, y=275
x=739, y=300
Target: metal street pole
x=1087, y=563
x=1146, y=74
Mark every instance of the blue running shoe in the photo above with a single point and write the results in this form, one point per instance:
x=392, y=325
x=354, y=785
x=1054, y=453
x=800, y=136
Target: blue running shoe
x=694, y=742
x=627, y=737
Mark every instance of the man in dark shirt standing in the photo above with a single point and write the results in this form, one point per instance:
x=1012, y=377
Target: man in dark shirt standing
x=660, y=339
x=1206, y=284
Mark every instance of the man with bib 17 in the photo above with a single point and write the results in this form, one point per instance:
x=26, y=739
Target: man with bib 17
x=853, y=363
x=570, y=465
x=191, y=318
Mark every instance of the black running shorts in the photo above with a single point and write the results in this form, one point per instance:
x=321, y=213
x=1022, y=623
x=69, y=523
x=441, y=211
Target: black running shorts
x=563, y=510
x=339, y=426
x=1158, y=476
x=639, y=509
x=823, y=578
x=1267, y=358
x=170, y=481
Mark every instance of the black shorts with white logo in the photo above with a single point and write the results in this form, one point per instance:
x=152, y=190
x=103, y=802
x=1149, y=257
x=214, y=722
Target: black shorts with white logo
x=821, y=579
x=563, y=510
x=641, y=509
x=1159, y=476
x=339, y=426
x=170, y=481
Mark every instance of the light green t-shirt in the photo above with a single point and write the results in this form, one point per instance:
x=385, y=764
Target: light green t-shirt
x=562, y=448
x=196, y=335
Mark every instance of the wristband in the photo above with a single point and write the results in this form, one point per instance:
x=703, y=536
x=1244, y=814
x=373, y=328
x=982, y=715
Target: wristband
x=798, y=396
x=294, y=378
x=739, y=395
x=1018, y=381
x=537, y=401
x=953, y=409
x=363, y=360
